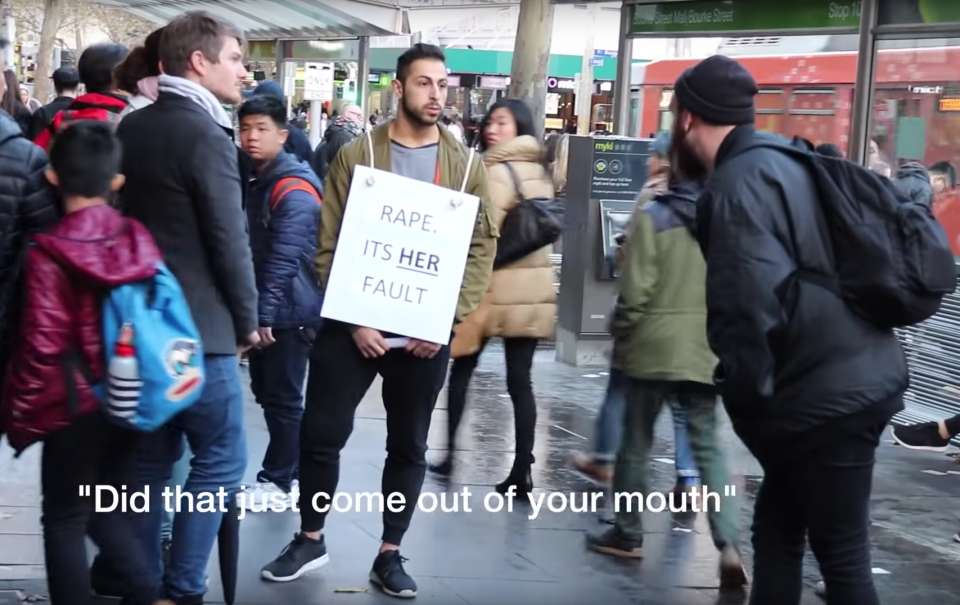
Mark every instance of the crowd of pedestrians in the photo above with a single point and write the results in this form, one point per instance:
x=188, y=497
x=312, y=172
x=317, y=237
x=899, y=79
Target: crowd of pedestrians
x=728, y=294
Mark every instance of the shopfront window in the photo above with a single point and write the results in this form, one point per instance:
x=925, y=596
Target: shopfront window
x=916, y=118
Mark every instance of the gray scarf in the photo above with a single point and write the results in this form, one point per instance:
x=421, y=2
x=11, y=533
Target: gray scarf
x=199, y=95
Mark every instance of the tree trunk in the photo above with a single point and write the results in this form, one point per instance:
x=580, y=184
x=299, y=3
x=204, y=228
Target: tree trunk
x=531, y=55
x=52, y=14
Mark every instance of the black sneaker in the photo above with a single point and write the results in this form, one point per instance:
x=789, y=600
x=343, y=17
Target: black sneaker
x=615, y=542
x=299, y=557
x=924, y=436
x=388, y=574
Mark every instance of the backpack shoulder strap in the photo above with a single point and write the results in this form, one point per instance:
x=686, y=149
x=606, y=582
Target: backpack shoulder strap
x=285, y=186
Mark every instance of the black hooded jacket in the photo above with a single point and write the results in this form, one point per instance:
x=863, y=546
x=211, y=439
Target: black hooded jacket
x=27, y=205
x=793, y=357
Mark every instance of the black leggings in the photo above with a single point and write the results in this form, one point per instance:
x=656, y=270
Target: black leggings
x=519, y=354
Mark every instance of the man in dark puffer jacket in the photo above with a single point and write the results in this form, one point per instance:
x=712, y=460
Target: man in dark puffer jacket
x=284, y=219
x=809, y=386
x=27, y=205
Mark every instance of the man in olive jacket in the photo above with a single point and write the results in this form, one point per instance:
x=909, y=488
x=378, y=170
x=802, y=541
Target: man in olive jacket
x=346, y=359
x=660, y=328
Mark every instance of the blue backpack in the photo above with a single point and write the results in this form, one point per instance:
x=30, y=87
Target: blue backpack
x=154, y=366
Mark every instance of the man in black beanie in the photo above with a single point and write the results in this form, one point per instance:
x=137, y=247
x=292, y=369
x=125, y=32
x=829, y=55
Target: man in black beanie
x=808, y=385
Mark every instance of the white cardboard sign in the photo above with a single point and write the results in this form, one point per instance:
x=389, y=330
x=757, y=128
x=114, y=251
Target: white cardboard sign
x=400, y=256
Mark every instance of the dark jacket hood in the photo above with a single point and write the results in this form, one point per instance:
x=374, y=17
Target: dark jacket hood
x=681, y=199
x=285, y=166
x=914, y=181
x=270, y=88
x=99, y=245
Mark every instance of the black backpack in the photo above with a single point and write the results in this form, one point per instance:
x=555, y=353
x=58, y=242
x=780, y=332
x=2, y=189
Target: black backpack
x=893, y=259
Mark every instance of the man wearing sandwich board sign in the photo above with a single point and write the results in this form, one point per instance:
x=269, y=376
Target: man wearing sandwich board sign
x=408, y=214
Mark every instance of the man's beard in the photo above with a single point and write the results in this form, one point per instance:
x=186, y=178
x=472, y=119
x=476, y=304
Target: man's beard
x=413, y=116
x=686, y=163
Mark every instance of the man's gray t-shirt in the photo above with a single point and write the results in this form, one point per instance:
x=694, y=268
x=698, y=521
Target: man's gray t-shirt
x=418, y=163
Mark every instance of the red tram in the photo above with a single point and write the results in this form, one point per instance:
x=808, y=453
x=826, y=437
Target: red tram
x=916, y=102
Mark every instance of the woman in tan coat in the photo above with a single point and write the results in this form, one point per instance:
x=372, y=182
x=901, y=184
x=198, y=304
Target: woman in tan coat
x=520, y=305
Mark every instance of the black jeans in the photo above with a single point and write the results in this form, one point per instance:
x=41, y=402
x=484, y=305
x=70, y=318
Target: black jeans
x=90, y=452
x=824, y=493
x=519, y=355
x=277, y=373
x=339, y=378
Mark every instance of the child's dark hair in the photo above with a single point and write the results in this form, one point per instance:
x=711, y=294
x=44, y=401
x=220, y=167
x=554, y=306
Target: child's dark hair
x=416, y=53
x=86, y=156
x=262, y=105
x=96, y=66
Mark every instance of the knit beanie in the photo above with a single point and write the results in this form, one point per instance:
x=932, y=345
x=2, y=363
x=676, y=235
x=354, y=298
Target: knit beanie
x=718, y=90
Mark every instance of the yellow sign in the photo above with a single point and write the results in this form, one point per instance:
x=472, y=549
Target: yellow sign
x=950, y=104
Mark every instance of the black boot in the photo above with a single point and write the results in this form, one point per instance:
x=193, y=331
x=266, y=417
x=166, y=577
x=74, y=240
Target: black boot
x=520, y=477
x=444, y=468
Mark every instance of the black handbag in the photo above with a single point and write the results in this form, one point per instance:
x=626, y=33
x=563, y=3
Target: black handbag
x=532, y=224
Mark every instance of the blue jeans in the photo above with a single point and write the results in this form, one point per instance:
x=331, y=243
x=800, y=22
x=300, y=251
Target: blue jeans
x=277, y=373
x=608, y=434
x=215, y=432
x=179, y=479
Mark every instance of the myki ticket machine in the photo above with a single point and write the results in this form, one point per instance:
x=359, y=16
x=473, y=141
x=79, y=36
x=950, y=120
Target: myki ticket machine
x=604, y=178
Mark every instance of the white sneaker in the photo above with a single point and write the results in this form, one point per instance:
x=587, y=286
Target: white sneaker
x=260, y=497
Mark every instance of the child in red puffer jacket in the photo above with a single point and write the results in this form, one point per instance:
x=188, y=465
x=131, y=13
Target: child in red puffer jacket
x=59, y=356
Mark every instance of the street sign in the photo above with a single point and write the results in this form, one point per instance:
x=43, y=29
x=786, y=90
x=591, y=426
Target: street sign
x=605, y=53
x=318, y=82
x=596, y=62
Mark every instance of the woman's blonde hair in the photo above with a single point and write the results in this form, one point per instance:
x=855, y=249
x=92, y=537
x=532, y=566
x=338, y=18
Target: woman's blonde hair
x=558, y=167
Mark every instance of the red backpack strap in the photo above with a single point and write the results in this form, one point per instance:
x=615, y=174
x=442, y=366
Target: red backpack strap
x=285, y=186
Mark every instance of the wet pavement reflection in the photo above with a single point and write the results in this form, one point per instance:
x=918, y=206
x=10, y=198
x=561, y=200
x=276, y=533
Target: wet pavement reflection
x=506, y=557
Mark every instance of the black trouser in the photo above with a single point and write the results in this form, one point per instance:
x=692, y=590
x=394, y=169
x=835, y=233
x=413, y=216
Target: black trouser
x=519, y=355
x=89, y=452
x=824, y=493
x=339, y=378
x=277, y=373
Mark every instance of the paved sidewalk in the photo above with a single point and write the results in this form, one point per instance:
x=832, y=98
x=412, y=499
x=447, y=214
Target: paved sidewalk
x=484, y=558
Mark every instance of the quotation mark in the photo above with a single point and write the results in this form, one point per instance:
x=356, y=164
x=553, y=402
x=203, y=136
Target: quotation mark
x=729, y=490
x=85, y=491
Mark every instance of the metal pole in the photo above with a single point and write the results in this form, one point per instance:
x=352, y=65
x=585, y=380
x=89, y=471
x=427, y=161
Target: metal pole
x=316, y=130
x=621, y=87
x=363, y=75
x=866, y=68
x=585, y=90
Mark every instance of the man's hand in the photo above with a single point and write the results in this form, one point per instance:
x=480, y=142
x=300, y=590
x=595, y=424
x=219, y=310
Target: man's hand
x=422, y=349
x=266, y=337
x=370, y=342
x=252, y=340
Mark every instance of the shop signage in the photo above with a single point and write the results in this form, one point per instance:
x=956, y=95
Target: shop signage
x=926, y=90
x=400, y=256
x=913, y=12
x=703, y=16
x=494, y=82
x=561, y=84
